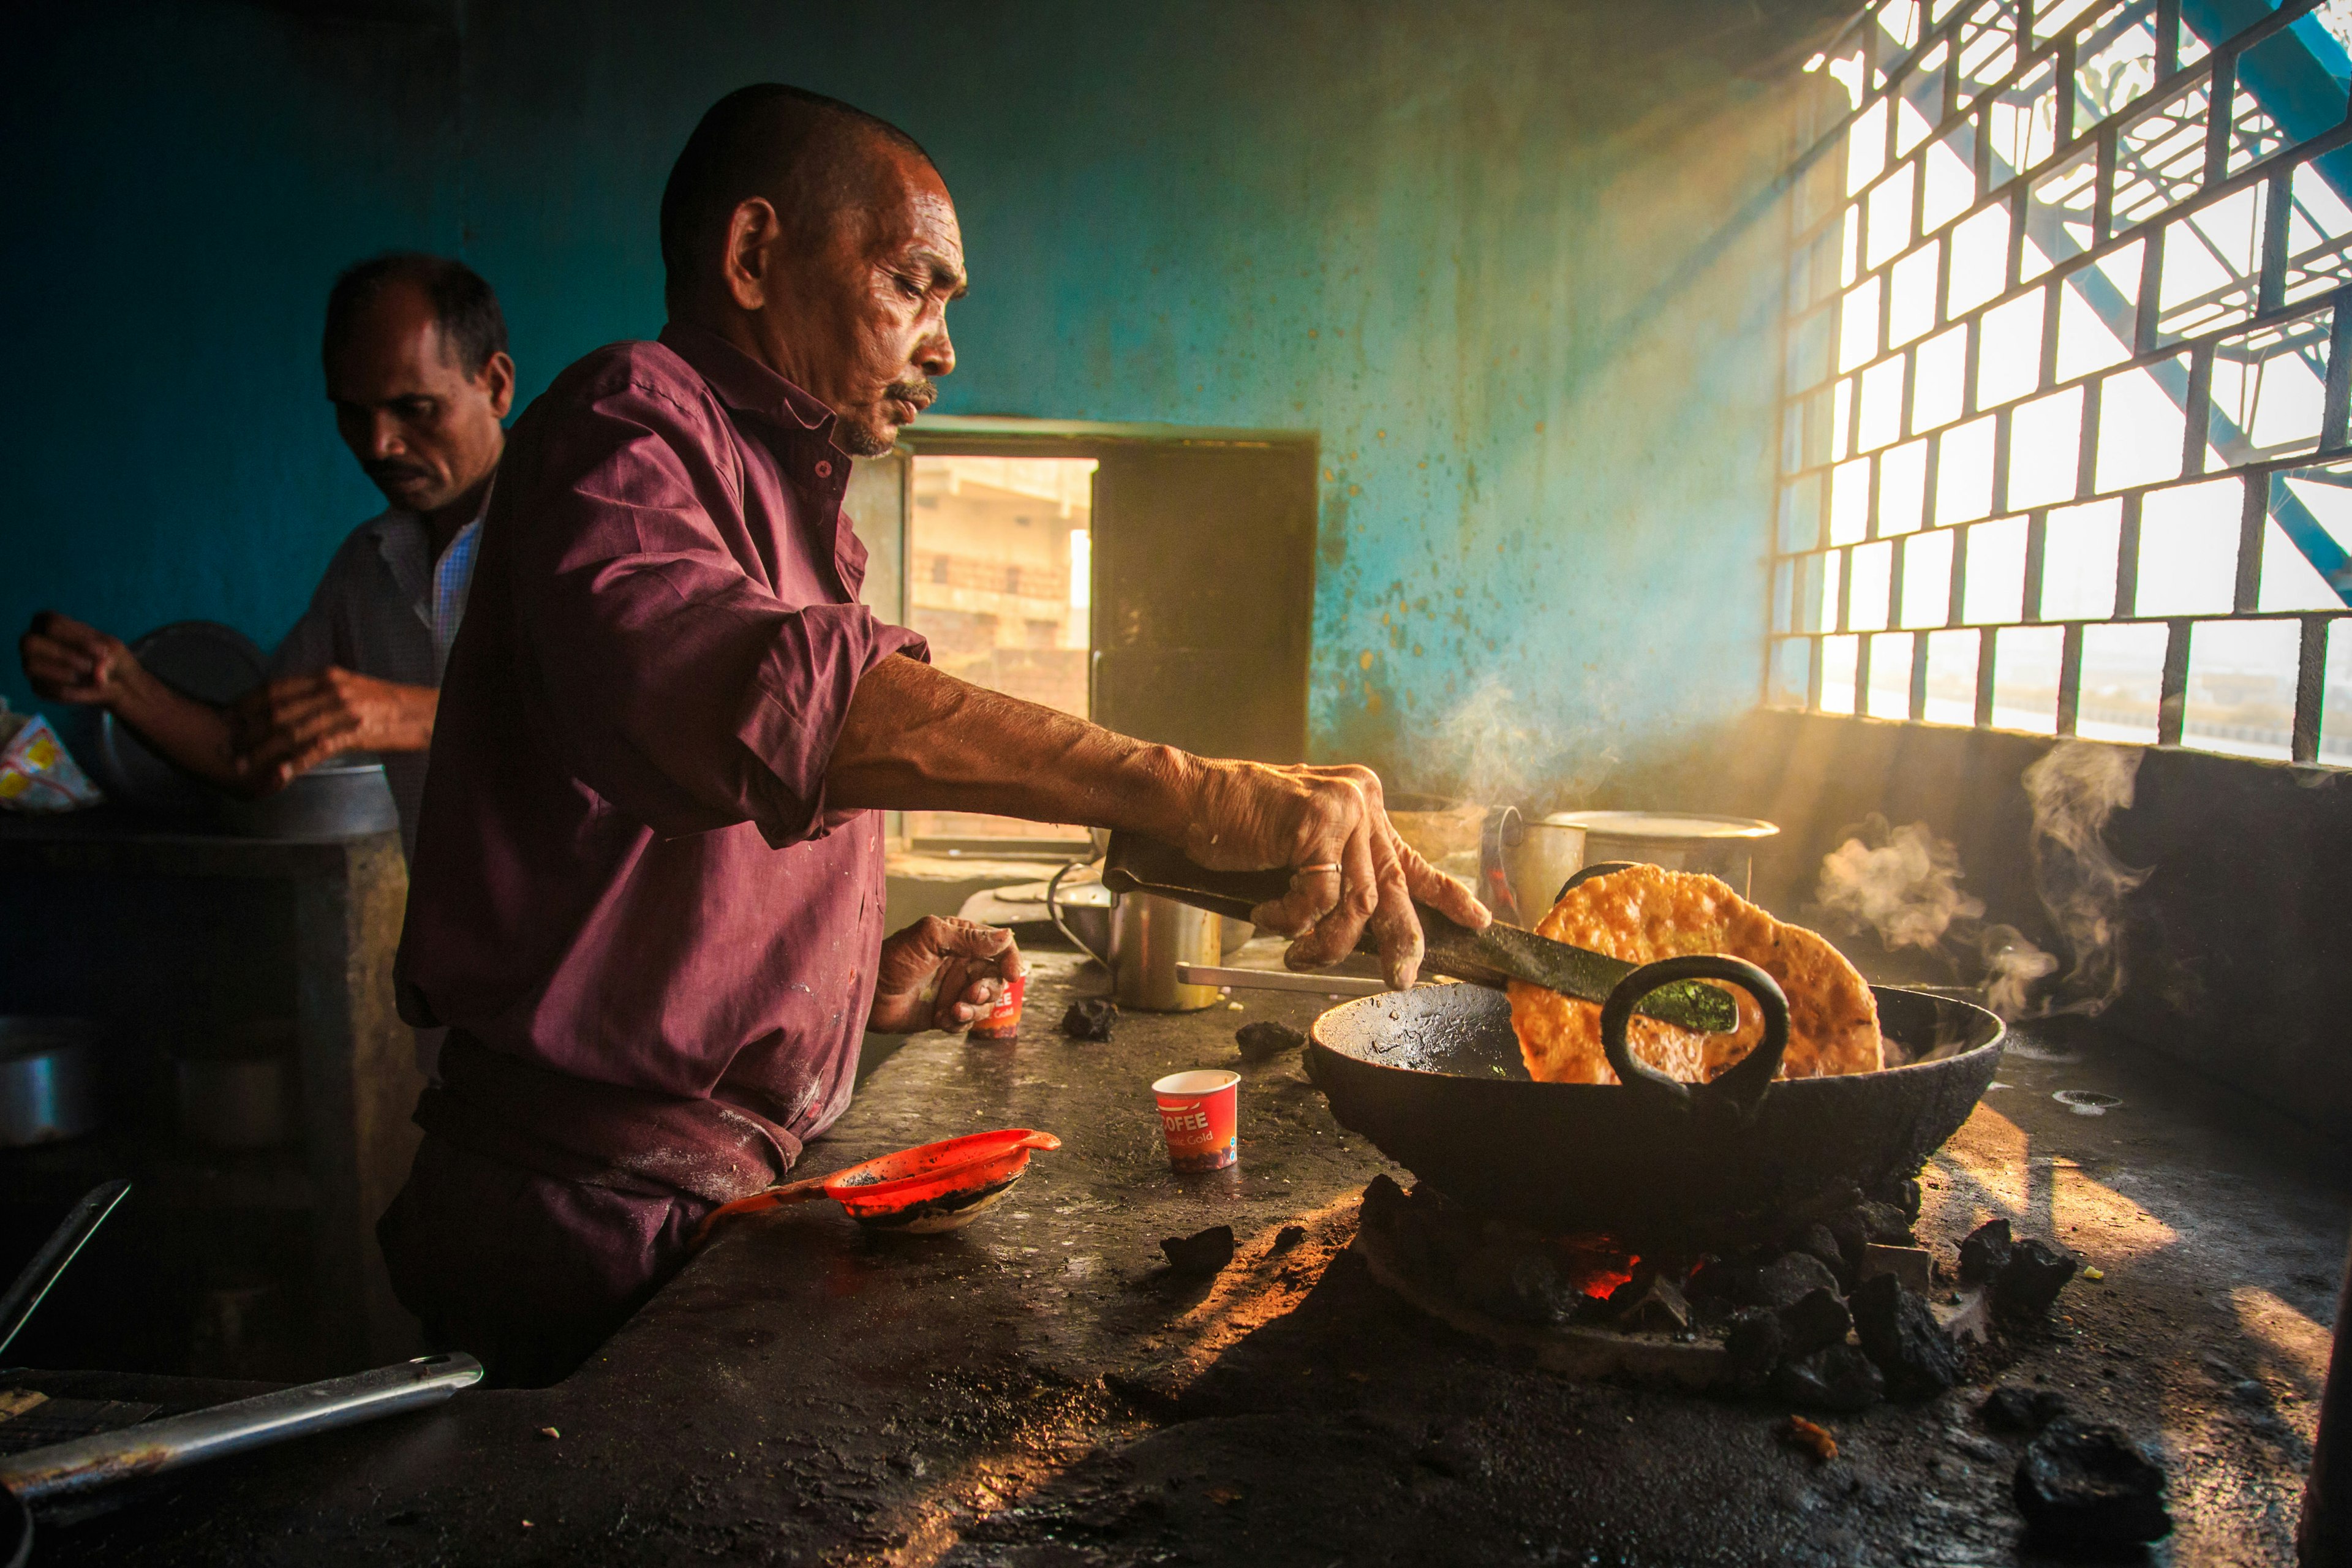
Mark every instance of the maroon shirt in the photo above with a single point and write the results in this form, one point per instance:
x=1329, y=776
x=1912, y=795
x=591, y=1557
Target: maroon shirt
x=626, y=872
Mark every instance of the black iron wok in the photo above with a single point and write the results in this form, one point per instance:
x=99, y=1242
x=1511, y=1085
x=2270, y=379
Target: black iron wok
x=1434, y=1077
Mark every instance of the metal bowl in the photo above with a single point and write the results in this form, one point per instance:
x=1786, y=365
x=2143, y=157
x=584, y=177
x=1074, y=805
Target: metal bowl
x=343, y=797
x=1722, y=847
x=50, y=1078
x=203, y=659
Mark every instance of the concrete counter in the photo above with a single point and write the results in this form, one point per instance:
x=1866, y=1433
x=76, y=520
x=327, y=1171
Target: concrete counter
x=1036, y=1389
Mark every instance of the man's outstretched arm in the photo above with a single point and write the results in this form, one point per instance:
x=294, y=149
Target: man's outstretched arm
x=69, y=662
x=274, y=732
x=917, y=739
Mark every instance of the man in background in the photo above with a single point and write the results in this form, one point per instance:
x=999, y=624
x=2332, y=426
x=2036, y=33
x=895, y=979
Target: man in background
x=417, y=371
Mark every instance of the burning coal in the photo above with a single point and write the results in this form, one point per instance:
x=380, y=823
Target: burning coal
x=1904, y=884
x=2074, y=790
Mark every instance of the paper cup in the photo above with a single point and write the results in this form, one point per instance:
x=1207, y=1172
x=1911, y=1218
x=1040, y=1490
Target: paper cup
x=1002, y=1021
x=1196, y=1113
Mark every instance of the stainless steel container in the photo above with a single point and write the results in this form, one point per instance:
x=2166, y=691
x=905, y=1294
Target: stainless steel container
x=239, y=1090
x=1547, y=853
x=50, y=1070
x=1149, y=936
x=343, y=797
x=1721, y=847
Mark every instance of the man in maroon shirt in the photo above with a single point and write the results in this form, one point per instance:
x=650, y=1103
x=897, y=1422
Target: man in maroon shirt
x=648, y=883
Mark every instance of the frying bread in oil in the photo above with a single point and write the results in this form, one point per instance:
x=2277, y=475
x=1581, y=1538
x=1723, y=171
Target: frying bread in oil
x=1645, y=913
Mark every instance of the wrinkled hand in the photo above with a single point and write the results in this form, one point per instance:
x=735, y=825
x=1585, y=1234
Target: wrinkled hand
x=1352, y=873
x=69, y=662
x=971, y=964
x=284, y=727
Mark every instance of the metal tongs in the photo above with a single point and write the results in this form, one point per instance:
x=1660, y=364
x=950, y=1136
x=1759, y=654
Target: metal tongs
x=78, y=1465
x=1493, y=957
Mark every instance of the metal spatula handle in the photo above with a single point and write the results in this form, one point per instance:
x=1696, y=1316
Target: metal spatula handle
x=87, y=1463
x=50, y=1262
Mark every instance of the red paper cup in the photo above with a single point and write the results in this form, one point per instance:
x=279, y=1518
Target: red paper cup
x=1002, y=1021
x=1196, y=1112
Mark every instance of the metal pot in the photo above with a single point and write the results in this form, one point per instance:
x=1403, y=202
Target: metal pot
x=343, y=797
x=1434, y=1077
x=212, y=663
x=1721, y=847
x=1081, y=911
x=50, y=1072
x=1523, y=865
x=239, y=1089
x=1149, y=936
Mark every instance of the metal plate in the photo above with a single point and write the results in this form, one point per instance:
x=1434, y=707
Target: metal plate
x=204, y=659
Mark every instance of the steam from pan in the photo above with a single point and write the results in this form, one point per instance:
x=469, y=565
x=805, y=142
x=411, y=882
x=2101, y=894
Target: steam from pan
x=1904, y=884
x=2076, y=788
x=1492, y=751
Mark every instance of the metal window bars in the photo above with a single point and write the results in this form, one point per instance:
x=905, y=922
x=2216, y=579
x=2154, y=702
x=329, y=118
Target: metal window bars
x=2068, y=368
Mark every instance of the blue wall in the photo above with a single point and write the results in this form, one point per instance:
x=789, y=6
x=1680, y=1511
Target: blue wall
x=1510, y=260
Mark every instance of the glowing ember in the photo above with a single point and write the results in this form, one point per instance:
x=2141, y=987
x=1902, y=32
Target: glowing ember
x=1593, y=1264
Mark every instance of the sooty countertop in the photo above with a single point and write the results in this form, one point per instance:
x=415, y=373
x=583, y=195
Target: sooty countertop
x=1036, y=1389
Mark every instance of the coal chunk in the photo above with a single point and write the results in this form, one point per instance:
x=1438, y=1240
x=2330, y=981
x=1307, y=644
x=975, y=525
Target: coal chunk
x=2031, y=1279
x=1885, y=1224
x=1384, y=1203
x=1516, y=1283
x=1837, y=1378
x=1901, y=1336
x=1753, y=1348
x=2086, y=1488
x=1985, y=1252
x=1202, y=1254
x=1817, y=1320
x=1817, y=1241
x=1654, y=1304
x=1787, y=1278
x=1090, y=1019
x=2012, y=1408
x=1265, y=1039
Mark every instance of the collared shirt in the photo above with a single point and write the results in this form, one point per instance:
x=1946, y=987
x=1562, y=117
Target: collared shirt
x=386, y=608
x=627, y=871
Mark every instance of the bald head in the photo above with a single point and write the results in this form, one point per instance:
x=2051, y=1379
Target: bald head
x=821, y=240
x=815, y=158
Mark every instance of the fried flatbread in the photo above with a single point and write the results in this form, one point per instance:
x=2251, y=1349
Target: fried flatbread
x=1645, y=913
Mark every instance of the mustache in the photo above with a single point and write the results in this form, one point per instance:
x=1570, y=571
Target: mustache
x=918, y=394
x=393, y=473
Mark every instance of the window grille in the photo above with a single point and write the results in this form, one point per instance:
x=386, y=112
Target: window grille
x=2068, y=366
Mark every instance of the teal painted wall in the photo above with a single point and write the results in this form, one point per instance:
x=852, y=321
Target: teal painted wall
x=1510, y=260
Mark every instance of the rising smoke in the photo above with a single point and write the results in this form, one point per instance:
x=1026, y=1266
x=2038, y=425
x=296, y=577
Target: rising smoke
x=2011, y=965
x=2075, y=789
x=1503, y=757
x=1904, y=884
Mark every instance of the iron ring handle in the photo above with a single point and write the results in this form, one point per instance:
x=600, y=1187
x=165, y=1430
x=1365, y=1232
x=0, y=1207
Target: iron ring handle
x=1742, y=1089
x=1053, y=913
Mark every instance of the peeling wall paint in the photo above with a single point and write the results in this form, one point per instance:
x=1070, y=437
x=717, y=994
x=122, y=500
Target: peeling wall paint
x=1510, y=260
